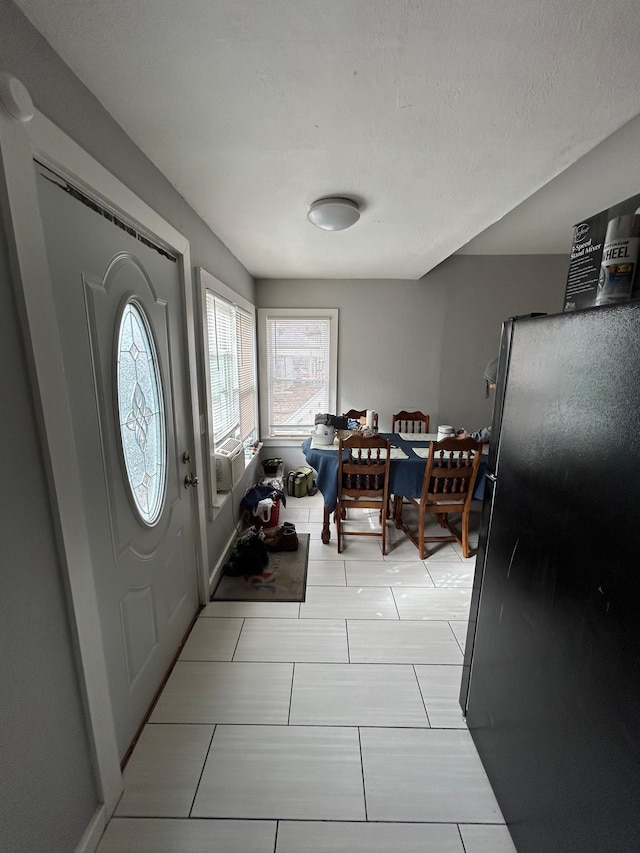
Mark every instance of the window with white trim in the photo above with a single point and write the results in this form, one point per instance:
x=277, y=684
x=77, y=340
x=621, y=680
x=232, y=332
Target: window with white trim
x=230, y=360
x=298, y=350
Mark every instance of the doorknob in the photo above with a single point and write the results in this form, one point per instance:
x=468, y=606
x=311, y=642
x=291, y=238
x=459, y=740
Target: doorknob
x=191, y=480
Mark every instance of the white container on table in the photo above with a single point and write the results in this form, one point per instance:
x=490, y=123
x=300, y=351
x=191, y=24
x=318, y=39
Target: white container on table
x=445, y=431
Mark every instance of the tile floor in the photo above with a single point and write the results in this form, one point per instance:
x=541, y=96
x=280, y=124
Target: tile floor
x=326, y=726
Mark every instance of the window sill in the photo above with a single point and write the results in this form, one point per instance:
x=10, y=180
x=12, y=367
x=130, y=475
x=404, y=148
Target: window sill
x=285, y=440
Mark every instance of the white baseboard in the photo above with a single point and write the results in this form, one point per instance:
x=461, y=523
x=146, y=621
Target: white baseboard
x=93, y=833
x=214, y=576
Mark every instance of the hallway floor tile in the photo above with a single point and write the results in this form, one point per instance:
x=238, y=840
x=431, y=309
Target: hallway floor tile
x=329, y=726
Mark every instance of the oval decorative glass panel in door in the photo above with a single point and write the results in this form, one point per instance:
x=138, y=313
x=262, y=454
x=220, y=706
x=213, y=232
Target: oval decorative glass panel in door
x=140, y=407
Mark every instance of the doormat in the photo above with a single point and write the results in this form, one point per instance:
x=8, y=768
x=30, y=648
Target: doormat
x=284, y=579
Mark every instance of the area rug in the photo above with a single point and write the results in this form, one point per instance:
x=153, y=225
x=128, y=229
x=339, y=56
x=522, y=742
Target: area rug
x=284, y=579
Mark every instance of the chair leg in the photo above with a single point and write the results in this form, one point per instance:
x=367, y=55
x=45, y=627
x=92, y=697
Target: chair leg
x=421, y=544
x=338, y=519
x=397, y=510
x=461, y=538
x=465, y=533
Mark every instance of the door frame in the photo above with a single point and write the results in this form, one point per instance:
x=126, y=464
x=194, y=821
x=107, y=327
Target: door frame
x=21, y=139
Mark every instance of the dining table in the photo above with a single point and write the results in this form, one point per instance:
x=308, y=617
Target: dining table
x=409, y=453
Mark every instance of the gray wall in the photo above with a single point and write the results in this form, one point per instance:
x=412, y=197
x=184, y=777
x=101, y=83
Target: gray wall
x=229, y=519
x=59, y=95
x=483, y=291
x=423, y=344
x=389, y=338
x=394, y=335
x=47, y=789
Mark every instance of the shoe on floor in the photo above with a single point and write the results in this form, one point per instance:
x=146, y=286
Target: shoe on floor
x=286, y=540
x=250, y=534
x=272, y=532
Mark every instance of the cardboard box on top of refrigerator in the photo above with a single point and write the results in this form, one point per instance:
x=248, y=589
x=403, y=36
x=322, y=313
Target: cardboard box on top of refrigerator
x=604, y=257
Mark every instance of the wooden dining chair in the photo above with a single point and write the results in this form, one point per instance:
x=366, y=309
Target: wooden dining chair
x=413, y=422
x=410, y=422
x=447, y=488
x=357, y=414
x=363, y=483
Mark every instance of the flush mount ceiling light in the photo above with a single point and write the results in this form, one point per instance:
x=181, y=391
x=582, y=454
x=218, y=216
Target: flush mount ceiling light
x=333, y=214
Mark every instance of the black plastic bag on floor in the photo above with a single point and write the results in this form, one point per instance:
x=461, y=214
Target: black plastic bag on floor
x=249, y=557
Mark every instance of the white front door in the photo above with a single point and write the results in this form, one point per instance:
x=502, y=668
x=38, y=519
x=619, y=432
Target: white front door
x=120, y=314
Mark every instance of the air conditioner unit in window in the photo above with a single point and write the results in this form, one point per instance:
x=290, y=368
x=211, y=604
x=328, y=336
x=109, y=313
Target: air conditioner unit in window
x=229, y=459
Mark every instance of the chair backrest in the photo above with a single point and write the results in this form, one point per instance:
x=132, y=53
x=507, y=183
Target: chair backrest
x=357, y=414
x=450, y=475
x=363, y=467
x=410, y=422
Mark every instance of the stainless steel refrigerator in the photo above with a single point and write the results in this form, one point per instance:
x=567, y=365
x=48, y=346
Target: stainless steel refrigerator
x=551, y=679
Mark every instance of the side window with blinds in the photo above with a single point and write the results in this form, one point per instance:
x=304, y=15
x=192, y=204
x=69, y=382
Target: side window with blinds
x=223, y=368
x=230, y=359
x=298, y=368
x=247, y=390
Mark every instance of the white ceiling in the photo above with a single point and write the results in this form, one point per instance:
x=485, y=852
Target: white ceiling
x=542, y=224
x=437, y=116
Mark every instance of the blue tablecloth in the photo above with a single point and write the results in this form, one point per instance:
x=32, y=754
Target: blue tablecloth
x=406, y=474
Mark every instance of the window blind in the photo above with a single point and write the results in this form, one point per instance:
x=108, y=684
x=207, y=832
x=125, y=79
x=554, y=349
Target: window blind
x=298, y=369
x=231, y=339
x=222, y=366
x=245, y=332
